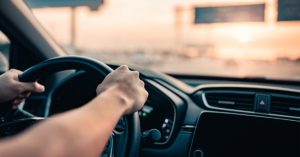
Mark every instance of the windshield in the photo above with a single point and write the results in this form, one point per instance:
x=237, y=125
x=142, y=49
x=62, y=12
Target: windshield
x=225, y=38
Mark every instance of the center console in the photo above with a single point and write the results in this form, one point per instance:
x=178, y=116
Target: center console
x=221, y=134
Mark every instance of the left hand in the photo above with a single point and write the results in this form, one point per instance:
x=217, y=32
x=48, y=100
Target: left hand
x=12, y=89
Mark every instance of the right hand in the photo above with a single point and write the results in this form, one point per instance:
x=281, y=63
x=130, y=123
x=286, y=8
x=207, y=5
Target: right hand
x=128, y=84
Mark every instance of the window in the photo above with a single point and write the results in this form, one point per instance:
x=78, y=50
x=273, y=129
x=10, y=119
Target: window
x=4, y=52
x=171, y=36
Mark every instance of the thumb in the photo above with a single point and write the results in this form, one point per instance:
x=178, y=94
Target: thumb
x=31, y=87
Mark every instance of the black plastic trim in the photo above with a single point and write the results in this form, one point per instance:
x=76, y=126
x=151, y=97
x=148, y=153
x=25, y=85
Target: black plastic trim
x=248, y=87
x=249, y=115
x=49, y=97
x=200, y=99
x=192, y=111
x=179, y=113
x=246, y=79
x=29, y=33
x=180, y=148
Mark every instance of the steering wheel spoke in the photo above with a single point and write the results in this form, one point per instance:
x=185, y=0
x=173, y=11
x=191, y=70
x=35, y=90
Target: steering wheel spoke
x=109, y=148
x=120, y=142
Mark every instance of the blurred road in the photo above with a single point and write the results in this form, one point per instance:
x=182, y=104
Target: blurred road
x=280, y=69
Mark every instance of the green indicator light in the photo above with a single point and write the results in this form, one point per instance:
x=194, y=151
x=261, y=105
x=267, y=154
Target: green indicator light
x=144, y=114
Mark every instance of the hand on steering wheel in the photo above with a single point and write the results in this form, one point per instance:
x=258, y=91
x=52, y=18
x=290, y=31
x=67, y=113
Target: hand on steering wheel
x=126, y=143
x=13, y=90
x=129, y=85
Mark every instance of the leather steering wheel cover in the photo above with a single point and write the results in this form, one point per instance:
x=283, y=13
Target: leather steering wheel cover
x=98, y=68
x=64, y=63
x=133, y=133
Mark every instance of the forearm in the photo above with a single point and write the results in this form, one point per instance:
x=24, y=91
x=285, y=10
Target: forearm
x=81, y=132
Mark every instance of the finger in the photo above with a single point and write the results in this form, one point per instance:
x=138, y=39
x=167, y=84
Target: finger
x=31, y=87
x=136, y=73
x=14, y=107
x=17, y=101
x=146, y=94
x=122, y=67
x=142, y=83
x=16, y=71
x=24, y=95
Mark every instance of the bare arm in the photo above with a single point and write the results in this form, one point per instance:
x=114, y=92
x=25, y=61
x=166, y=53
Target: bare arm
x=83, y=131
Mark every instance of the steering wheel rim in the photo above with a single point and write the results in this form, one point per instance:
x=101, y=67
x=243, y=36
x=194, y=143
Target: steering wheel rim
x=130, y=136
x=64, y=63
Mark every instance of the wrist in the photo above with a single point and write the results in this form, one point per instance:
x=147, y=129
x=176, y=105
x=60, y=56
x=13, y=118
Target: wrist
x=115, y=97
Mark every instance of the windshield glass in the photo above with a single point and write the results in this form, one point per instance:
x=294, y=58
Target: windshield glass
x=226, y=38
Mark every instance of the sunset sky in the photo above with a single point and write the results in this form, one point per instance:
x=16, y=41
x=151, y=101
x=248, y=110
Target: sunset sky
x=150, y=25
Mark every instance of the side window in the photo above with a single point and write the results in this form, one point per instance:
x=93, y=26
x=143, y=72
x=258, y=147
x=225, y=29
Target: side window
x=4, y=52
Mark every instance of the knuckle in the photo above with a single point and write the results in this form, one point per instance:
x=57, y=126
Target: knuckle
x=136, y=73
x=146, y=93
x=99, y=89
x=127, y=81
x=35, y=87
x=15, y=71
x=123, y=67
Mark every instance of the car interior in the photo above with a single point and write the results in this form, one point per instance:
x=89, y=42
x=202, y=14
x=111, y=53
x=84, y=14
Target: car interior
x=184, y=115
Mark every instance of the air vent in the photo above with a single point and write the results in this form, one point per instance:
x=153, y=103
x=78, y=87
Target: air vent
x=241, y=101
x=287, y=105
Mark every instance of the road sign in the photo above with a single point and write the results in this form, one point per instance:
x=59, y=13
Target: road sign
x=240, y=13
x=93, y=4
x=288, y=10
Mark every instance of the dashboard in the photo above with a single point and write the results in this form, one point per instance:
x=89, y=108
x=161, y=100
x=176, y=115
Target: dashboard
x=206, y=120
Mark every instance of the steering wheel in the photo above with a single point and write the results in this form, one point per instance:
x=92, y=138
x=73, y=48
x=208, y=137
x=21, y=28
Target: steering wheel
x=126, y=143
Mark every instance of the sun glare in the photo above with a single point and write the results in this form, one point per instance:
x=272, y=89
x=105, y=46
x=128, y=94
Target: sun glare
x=243, y=37
x=243, y=34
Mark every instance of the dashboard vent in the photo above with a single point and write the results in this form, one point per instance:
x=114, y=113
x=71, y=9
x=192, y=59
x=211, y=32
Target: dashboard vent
x=241, y=101
x=287, y=105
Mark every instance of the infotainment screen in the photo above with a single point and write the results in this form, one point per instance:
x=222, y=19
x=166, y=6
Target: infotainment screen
x=237, y=135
